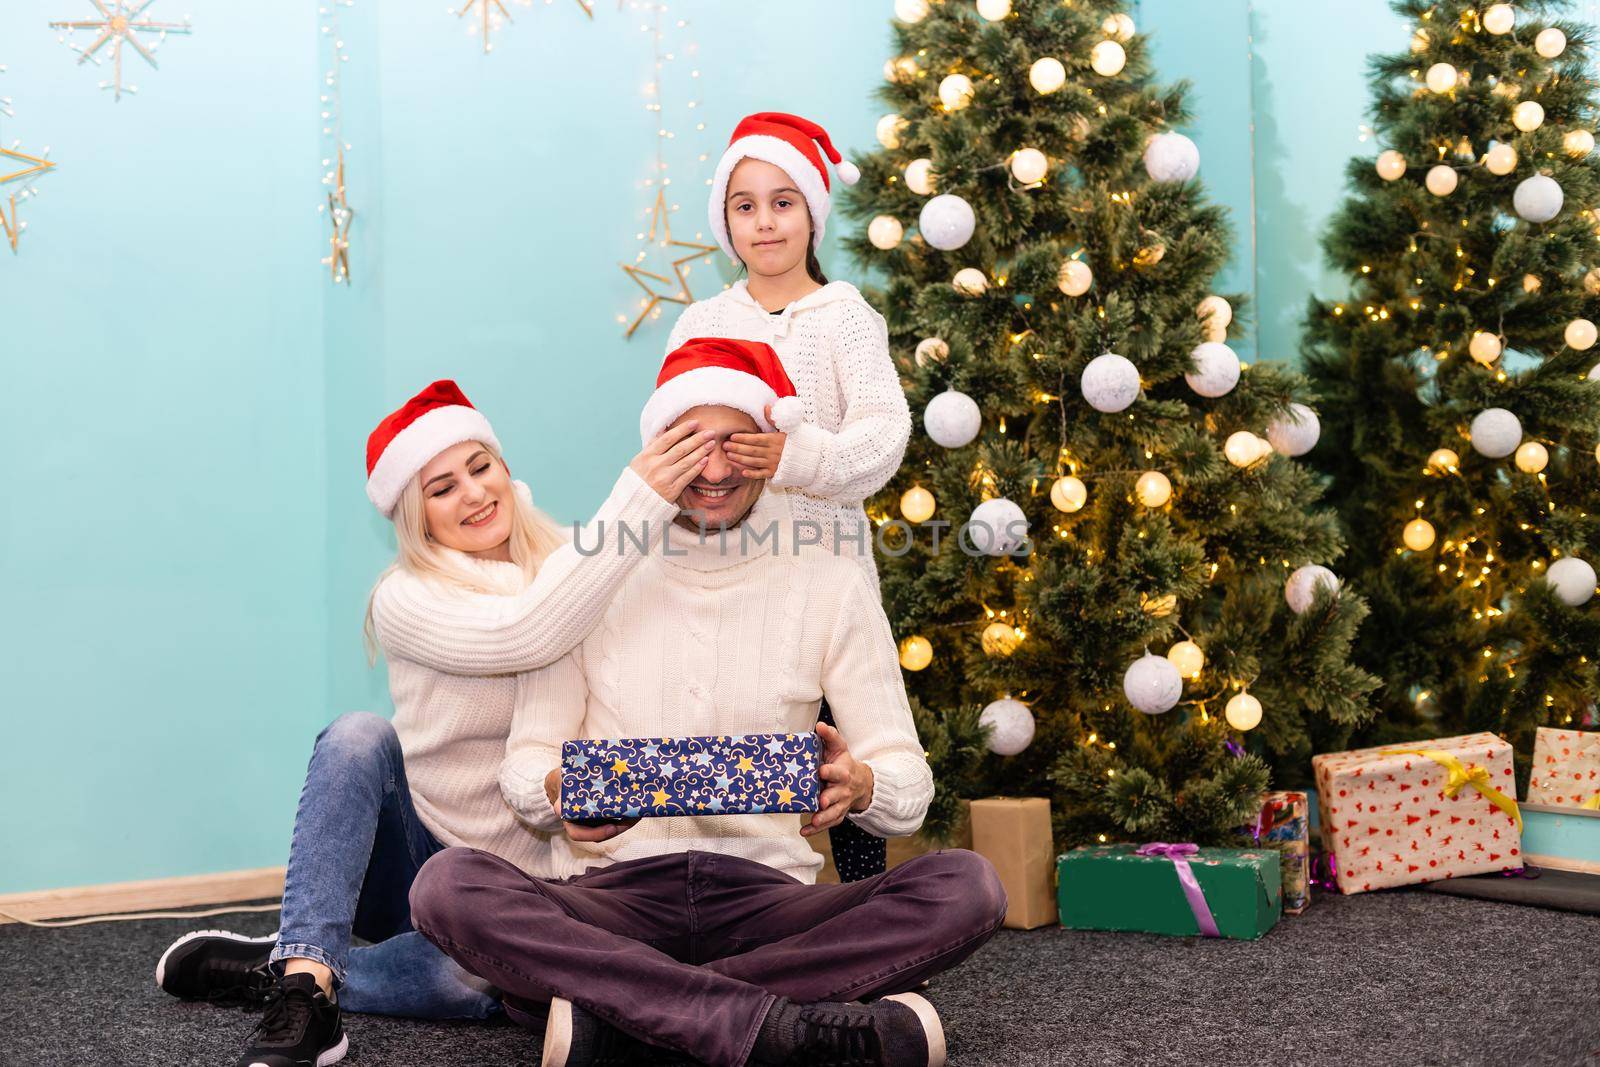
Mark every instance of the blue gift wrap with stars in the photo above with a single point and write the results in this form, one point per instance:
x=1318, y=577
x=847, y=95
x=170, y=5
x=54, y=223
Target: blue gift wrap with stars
x=648, y=777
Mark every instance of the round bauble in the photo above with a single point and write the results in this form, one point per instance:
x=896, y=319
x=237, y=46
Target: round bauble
x=1153, y=489
x=1069, y=494
x=1010, y=726
x=1245, y=449
x=1550, y=43
x=1295, y=432
x=1578, y=143
x=899, y=69
x=1443, y=460
x=1029, y=165
x=955, y=92
x=952, y=419
x=1572, y=579
x=1074, y=278
x=1594, y=373
x=1243, y=712
x=915, y=653
x=1391, y=164
x=919, y=176
x=1047, y=75
x=1301, y=588
x=1418, y=535
x=1441, y=77
x=932, y=350
x=1171, y=157
x=1216, y=369
x=1188, y=658
x=1499, y=18
x=889, y=129
x=911, y=11
x=1441, y=179
x=916, y=504
x=1152, y=684
x=885, y=232
x=1000, y=639
x=1537, y=199
x=1528, y=116
x=1532, y=457
x=1484, y=347
x=997, y=527
x=1580, y=335
x=947, y=222
x=1500, y=159
x=1215, y=311
x=1118, y=26
x=1495, y=433
x=970, y=281
x=1110, y=382
x=1107, y=58
x=994, y=10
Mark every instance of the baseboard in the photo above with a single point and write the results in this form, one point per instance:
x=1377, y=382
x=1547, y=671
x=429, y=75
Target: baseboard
x=156, y=894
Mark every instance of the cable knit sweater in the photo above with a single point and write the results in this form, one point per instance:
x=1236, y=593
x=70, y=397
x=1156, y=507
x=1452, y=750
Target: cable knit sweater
x=727, y=637
x=836, y=350
x=459, y=664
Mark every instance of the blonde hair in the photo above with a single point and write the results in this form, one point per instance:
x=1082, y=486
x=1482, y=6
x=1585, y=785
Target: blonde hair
x=534, y=535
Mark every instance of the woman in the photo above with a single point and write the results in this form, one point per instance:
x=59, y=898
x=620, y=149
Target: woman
x=484, y=589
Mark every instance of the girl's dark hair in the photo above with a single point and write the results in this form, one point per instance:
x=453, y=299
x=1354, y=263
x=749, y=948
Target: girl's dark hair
x=813, y=265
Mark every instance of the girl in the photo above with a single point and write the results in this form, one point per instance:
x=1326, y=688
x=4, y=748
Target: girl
x=769, y=203
x=484, y=589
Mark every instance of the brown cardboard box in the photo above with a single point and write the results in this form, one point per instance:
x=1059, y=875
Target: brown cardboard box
x=900, y=848
x=1013, y=833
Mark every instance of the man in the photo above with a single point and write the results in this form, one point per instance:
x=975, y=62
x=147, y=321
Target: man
x=705, y=934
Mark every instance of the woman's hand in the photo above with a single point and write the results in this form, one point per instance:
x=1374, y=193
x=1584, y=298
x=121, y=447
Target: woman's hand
x=758, y=454
x=847, y=783
x=674, y=458
x=577, y=831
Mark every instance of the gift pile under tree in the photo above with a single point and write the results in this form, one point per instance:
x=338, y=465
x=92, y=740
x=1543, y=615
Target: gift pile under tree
x=1170, y=632
x=1460, y=405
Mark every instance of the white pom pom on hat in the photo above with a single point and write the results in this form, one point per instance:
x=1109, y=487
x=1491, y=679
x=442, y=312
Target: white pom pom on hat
x=795, y=144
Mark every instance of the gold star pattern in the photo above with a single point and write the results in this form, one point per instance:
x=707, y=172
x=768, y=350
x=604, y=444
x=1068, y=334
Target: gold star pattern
x=492, y=12
x=785, y=795
x=660, y=220
x=659, y=798
x=341, y=215
x=121, y=23
x=745, y=764
x=620, y=766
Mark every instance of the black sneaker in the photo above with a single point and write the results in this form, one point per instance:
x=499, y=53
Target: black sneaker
x=901, y=1030
x=219, y=966
x=300, y=1028
x=575, y=1038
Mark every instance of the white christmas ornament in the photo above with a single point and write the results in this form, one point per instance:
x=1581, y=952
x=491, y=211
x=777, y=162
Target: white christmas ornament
x=1572, y=579
x=1418, y=535
x=1391, y=164
x=955, y=92
x=932, y=350
x=1532, y=457
x=911, y=10
x=970, y=281
x=1152, y=684
x=1215, y=311
x=1047, y=75
x=1441, y=77
x=1244, y=448
x=1495, y=433
x=952, y=419
x=1528, y=116
x=889, y=129
x=1580, y=334
x=919, y=176
x=1010, y=726
x=1501, y=159
x=997, y=527
x=1537, y=199
x=1029, y=165
x=947, y=222
x=1550, y=43
x=1441, y=179
x=1171, y=157
x=885, y=232
x=1107, y=58
x=1110, y=382
x=1075, y=277
x=1578, y=143
x=1069, y=494
x=994, y=10
x=1499, y=18
x=1187, y=657
x=1301, y=588
x=1153, y=489
x=1119, y=26
x=1295, y=432
x=1484, y=347
x=1243, y=712
x=1594, y=373
x=1216, y=369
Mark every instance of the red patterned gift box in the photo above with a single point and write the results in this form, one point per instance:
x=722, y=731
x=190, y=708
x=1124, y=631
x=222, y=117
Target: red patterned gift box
x=1566, y=769
x=1419, y=812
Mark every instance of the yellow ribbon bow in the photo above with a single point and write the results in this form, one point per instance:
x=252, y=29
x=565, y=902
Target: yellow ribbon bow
x=1460, y=776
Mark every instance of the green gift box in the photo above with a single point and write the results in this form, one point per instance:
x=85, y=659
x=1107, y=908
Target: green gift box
x=1174, y=889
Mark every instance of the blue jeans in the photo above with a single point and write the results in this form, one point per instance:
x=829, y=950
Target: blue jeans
x=357, y=847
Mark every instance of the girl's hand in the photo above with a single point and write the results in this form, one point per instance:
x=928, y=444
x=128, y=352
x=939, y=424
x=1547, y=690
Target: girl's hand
x=673, y=459
x=758, y=454
x=848, y=783
x=599, y=830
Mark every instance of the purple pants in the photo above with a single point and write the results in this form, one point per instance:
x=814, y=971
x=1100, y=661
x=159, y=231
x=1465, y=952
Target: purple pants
x=688, y=950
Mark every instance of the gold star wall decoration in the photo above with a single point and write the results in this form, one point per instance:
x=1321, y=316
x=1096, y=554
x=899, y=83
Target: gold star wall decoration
x=121, y=22
x=17, y=166
x=492, y=14
x=661, y=222
x=340, y=215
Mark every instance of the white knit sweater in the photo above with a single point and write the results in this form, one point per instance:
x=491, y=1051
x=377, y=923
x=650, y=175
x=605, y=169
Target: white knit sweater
x=459, y=662
x=727, y=639
x=835, y=348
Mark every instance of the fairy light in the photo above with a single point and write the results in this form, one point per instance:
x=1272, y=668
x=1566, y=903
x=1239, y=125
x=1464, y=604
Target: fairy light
x=336, y=202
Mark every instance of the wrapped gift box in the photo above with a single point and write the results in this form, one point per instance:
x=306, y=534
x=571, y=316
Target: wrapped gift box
x=1566, y=769
x=641, y=777
x=1113, y=887
x=1416, y=812
x=1284, y=826
x=1013, y=834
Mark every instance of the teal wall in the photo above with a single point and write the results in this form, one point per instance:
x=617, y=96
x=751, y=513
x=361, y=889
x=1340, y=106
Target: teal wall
x=185, y=547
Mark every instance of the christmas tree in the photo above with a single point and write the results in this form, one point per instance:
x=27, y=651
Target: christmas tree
x=1461, y=410
x=1053, y=319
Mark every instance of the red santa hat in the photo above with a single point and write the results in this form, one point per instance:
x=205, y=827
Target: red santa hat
x=404, y=442
x=786, y=141
x=744, y=375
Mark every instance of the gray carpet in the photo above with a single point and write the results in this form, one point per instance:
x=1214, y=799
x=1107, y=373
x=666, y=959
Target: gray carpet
x=1387, y=978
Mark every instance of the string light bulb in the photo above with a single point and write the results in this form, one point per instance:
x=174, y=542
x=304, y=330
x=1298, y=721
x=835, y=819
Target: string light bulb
x=1528, y=116
x=994, y=10
x=1578, y=143
x=1188, y=658
x=1418, y=535
x=955, y=92
x=1153, y=489
x=916, y=652
x=1047, y=75
x=1532, y=457
x=1243, y=712
x=1444, y=460
x=1069, y=494
x=1499, y=19
x=1580, y=334
x=1550, y=43
x=917, y=504
x=1500, y=159
x=1029, y=165
x=885, y=232
x=919, y=176
x=1390, y=165
x=1108, y=58
x=889, y=129
x=1441, y=78
x=1484, y=347
x=1075, y=277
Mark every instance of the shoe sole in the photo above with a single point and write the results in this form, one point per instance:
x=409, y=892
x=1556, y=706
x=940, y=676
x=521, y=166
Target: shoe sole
x=558, y=1034
x=932, y=1028
x=332, y=1055
x=161, y=964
